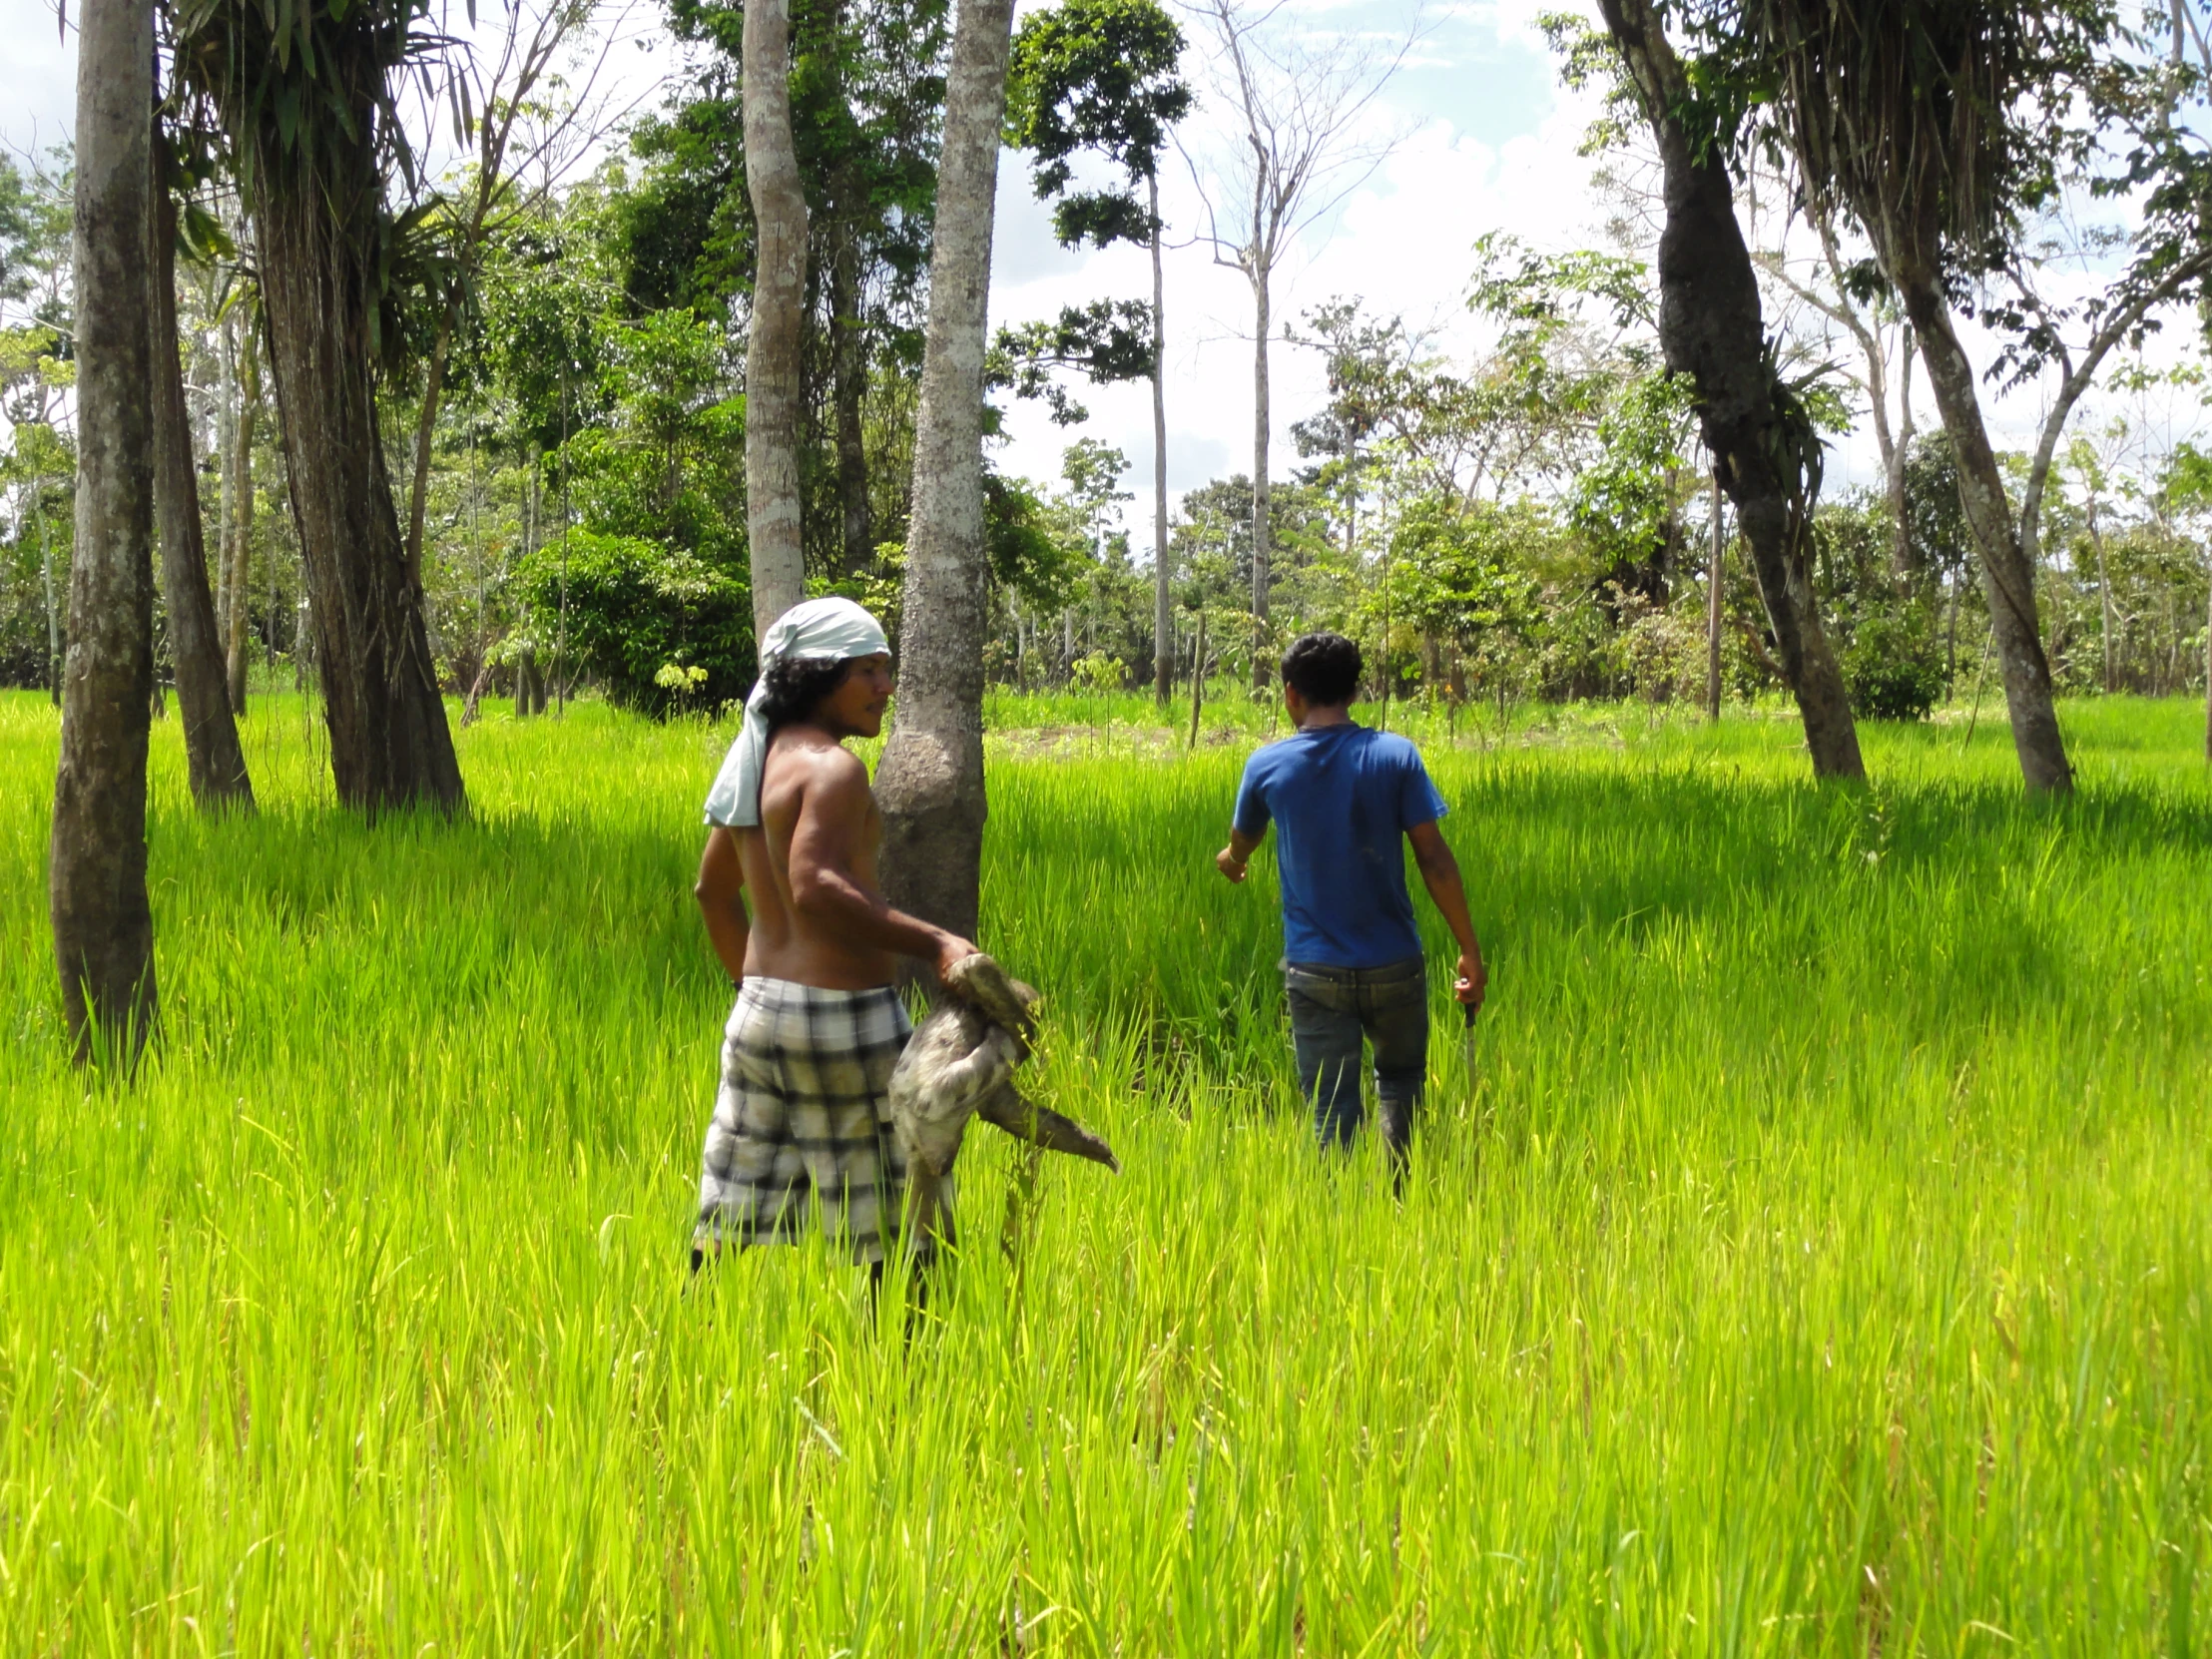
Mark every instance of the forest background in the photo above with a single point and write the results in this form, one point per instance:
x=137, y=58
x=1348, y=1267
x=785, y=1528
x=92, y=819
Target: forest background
x=1481, y=469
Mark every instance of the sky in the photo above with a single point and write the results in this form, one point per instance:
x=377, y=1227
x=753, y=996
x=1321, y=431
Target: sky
x=1478, y=135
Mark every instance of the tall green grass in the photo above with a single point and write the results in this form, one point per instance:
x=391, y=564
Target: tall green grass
x=1815, y=1263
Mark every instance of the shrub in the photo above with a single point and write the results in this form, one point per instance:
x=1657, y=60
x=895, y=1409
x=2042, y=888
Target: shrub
x=1893, y=666
x=636, y=607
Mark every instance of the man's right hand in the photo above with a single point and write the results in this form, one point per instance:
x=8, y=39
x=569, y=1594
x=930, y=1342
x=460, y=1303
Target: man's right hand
x=1474, y=982
x=951, y=948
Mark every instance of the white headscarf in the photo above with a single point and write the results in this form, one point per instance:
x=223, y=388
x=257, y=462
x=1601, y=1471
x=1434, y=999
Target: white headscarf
x=819, y=631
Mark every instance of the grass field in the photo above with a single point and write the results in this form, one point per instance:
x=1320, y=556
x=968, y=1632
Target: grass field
x=1816, y=1263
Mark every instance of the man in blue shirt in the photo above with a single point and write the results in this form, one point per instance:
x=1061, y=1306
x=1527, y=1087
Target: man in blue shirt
x=1341, y=795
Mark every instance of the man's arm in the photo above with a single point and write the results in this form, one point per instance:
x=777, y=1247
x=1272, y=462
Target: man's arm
x=1231, y=860
x=720, y=895
x=826, y=841
x=1440, y=872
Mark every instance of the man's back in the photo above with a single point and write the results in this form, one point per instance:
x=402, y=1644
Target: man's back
x=1342, y=797
x=815, y=806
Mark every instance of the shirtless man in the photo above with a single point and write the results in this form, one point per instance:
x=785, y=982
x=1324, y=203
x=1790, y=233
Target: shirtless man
x=801, y=1125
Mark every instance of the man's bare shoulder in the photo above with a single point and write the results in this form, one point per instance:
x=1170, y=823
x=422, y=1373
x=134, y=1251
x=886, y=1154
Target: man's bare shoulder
x=823, y=768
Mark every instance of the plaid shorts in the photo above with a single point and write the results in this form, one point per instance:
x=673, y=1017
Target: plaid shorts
x=801, y=1123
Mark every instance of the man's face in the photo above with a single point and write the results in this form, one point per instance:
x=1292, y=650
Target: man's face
x=856, y=708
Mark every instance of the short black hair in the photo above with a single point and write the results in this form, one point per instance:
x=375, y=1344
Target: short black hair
x=1322, y=668
x=797, y=686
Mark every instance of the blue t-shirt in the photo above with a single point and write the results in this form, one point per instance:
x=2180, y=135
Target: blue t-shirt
x=1340, y=797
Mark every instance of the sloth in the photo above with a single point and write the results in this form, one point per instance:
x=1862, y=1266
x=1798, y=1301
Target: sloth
x=958, y=1064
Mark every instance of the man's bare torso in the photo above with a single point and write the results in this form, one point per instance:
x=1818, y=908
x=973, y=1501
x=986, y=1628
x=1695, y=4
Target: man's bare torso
x=814, y=792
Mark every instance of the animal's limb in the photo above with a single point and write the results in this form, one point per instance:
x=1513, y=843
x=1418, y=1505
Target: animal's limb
x=1026, y=1120
x=927, y=1224
x=983, y=1070
x=980, y=982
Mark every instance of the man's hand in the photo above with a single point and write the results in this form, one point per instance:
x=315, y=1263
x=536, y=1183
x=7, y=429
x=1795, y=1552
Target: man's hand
x=951, y=948
x=1231, y=860
x=1473, y=982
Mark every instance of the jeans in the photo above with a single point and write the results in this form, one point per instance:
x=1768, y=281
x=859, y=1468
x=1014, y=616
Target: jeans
x=1331, y=1009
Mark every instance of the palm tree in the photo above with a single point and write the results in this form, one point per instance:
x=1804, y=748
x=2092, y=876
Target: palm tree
x=303, y=94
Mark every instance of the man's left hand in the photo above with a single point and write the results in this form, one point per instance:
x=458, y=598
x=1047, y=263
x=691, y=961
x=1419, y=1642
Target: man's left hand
x=1226, y=861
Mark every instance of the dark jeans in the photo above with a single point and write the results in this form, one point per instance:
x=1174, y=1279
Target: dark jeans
x=1331, y=1009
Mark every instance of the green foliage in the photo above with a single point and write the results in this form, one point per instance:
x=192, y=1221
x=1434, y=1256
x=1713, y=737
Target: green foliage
x=1106, y=340
x=1627, y=506
x=1098, y=76
x=626, y=610
x=1894, y=664
x=1461, y=572
x=36, y=214
x=1935, y=516
x=668, y=460
x=1037, y=558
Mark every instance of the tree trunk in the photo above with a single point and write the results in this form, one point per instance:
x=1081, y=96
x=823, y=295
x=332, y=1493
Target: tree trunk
x=240, y=577
x=315, y=216
x=212, y=758
x=427, y=426
x=1904, y=558
x=53, y=609
x=1710, y=328
x=1713, y=571
x=1262, y=527
x=774, y=396
x=2104, y=594
x=849, y=387
x=226, y=456
x=930, y=780
x=1197, y=679
x=103, y=923
x=2006, y=577
x=1163, y=570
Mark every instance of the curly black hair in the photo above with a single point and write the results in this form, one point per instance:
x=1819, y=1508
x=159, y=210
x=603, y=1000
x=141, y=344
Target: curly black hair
x=1324, y=668
x=797, y=686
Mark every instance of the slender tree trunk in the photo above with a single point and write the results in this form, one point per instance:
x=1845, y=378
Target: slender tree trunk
x=1162, y=568
x=1710, y=328
x=2007, y=579
x=53, y=611
x=225, y=455
x=1713, y=571
x=426, y=425
x=103, y=923
x=1904, y=556
x=1262, y=525
x=931, y=779
x=315, y=212
x=212, y=758
x=775, y=394
x=1197, y=679
x=849, y=388
x=240, y=580
x=1950, y=639
x=2104, y=594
